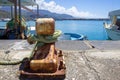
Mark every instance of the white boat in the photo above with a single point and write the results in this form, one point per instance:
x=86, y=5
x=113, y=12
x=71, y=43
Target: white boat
x=113, y=29
x=6, y=19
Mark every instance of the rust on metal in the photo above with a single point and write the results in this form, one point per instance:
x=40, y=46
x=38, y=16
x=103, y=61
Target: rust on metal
x=46, y=62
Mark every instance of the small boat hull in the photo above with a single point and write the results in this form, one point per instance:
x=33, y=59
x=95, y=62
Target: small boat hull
x=71, y=36
x=113, y=34
x=9, y=35
x=3, y=34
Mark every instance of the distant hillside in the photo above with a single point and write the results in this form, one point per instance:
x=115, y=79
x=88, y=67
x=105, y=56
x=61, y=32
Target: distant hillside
x=48, y=14
x=4, y=14
x=42, y=14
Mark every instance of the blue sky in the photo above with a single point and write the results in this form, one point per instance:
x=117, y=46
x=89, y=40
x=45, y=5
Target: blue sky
x=81, y=8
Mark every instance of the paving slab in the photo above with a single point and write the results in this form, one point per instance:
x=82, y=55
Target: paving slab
x=106, y=65
x=71, y=45
x=106, y=45
x=15, y=45
x=82, y=62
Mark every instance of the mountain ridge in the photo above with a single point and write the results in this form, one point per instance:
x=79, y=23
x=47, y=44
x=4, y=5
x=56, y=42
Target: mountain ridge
x=42, y=14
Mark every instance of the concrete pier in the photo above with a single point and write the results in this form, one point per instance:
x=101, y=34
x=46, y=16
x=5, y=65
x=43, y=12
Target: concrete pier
x=85, y=60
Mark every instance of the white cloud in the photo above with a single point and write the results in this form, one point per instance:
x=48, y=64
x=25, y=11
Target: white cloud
x=53, y=7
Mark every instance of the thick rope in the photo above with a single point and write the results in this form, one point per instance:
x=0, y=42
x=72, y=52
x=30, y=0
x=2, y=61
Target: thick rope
x=10, y=62
x=38, y=39
x=44, y=38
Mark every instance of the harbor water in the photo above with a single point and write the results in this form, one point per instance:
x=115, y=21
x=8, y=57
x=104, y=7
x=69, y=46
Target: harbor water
x=92, y=29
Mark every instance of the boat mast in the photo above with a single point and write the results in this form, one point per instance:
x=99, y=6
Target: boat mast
x=11, y=11
x=19, y=4
x=37, y=11
x=15, y=14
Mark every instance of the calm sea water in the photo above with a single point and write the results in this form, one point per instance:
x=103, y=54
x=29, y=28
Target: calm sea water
x=94, y=30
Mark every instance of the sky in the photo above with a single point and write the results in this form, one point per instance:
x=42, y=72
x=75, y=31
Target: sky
x=80, y=8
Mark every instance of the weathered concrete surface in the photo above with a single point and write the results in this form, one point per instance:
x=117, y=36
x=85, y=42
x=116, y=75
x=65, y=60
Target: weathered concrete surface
x=106, y=65
x=106, y=45
x=82, y=61
x=93, y=65
x=72, y=45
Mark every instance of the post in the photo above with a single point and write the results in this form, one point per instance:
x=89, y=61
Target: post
x=37, y=11
x=15, y=14
x=11, y=11
x=19, y=3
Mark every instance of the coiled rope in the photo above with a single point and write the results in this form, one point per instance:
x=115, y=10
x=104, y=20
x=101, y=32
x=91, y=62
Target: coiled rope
x=39, y=40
